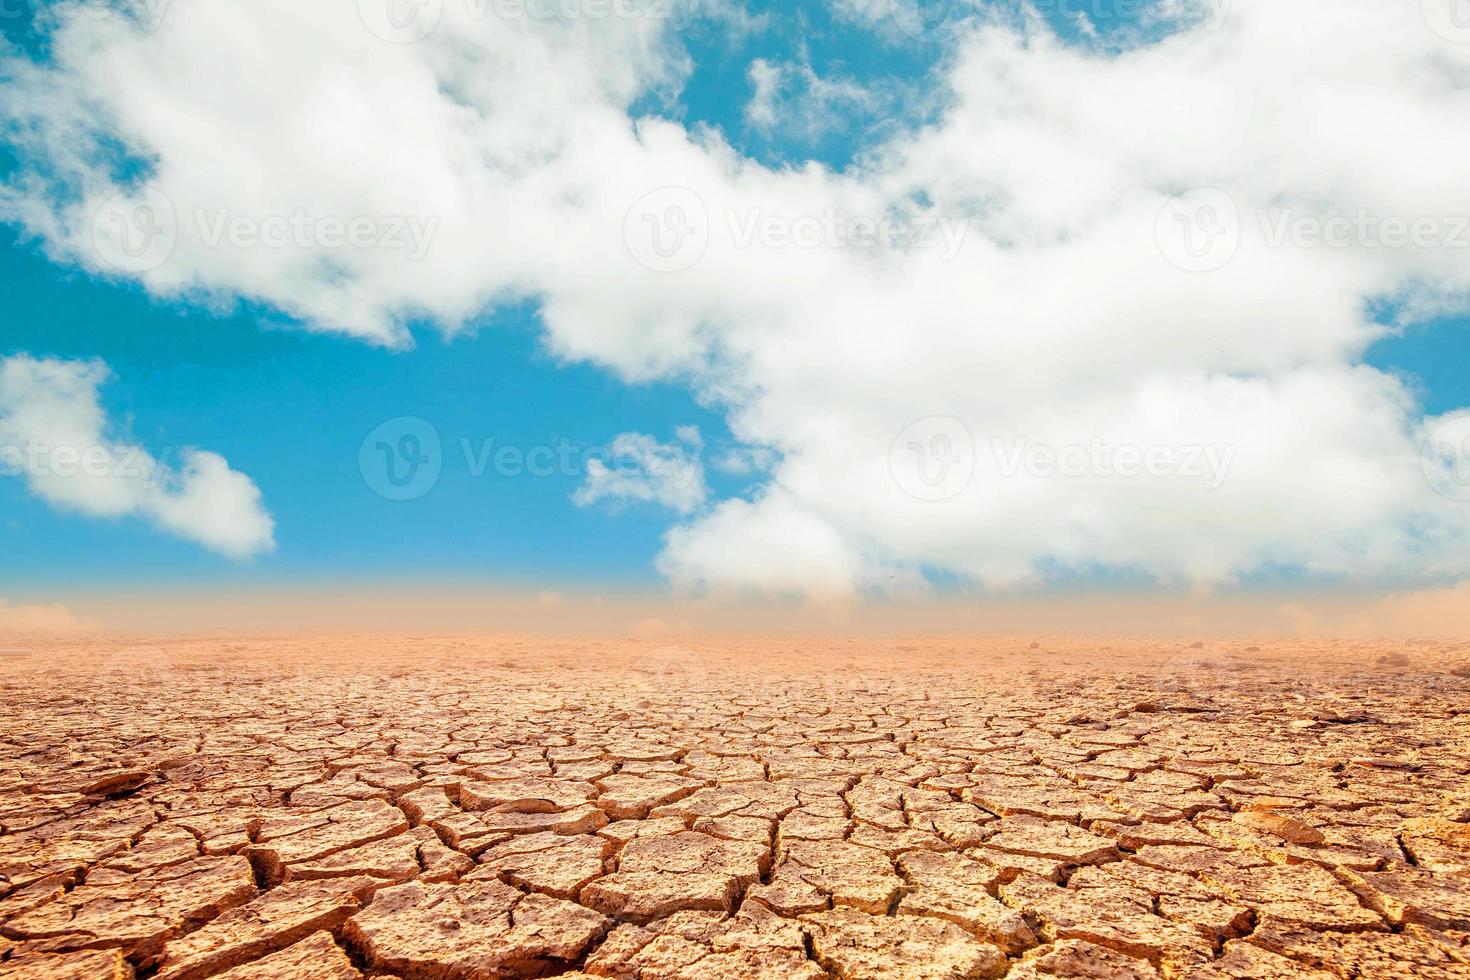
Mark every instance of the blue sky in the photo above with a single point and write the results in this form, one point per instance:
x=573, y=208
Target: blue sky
x=187, y=376
x=243, y=376
x=292, y=409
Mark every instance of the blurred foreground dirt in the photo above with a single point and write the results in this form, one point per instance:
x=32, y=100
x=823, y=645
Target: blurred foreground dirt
x=464, y=807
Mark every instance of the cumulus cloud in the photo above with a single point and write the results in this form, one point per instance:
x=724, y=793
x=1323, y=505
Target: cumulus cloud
x=641, y=469
x=54, y=434
x=729, y=552
x=795, y=100
x=745, y=460
x=1089, y=255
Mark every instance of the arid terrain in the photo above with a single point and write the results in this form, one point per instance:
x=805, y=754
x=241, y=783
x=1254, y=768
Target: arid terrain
x=789, y=807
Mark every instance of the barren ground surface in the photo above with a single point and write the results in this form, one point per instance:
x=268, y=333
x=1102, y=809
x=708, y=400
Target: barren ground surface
x=435, y=807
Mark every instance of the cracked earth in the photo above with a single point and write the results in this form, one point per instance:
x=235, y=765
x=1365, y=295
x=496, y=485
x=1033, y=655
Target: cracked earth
x=438, y=807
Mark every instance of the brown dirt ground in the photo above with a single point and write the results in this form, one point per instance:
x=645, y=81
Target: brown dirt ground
x=464, y=807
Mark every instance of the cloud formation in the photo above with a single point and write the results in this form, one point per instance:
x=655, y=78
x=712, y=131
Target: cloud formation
x=1151, y=263
x=54, y=434
x=642, y=469
x=794, y=99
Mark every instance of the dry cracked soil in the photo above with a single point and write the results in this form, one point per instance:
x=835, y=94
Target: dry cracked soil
x=466, y=807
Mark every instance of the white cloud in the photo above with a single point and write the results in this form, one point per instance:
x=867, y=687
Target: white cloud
x=257, y=116
x=54, y=433
x=1059, y=321
x=765, y=81
x=640, y=468
x=730, y=552
x=745, y=460
x=792, y=99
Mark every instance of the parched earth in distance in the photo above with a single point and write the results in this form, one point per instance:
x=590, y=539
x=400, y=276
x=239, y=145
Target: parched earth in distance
x=257, y=808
